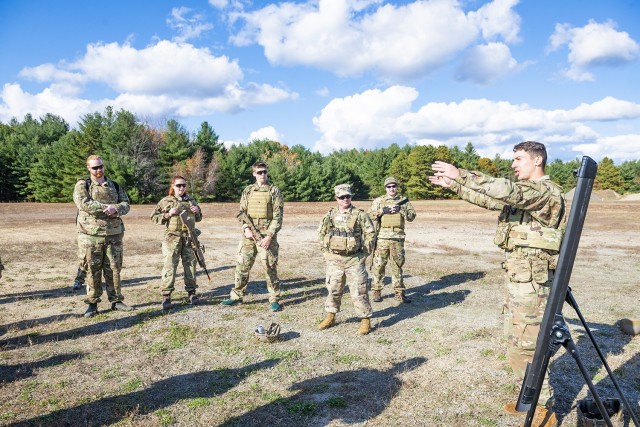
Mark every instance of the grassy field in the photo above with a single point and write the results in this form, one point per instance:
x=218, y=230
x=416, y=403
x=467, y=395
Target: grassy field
x=439, y=361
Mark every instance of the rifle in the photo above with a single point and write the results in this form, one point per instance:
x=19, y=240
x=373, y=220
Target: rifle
x=198, y=249
x=403, y=201
x=244, y=218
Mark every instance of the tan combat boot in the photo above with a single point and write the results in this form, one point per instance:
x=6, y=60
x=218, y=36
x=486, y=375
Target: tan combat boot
x=543, y=417
x=328, y=321
x=377, y=296
x=365, y=326
x=400, y=297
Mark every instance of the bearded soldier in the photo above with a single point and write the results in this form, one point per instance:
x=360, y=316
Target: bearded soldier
x=346, y=236
x=176, y=245
x=101, y=204
x=261, y=210
x=389, y=218
x=531, y=226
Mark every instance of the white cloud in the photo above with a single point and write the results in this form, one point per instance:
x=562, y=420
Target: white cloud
x=377, y=118
x=617, y=148
x=593, y=45
x=268, y=132
x=395, y=42
x=165, y=78
x=486, y=63
x=188, y=25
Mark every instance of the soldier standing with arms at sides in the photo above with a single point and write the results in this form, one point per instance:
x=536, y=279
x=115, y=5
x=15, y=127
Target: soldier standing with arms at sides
x=346, y=236
x=261, y=209
x=389, y=219
x=175, y=245
x=531, y=226
x=101, y=203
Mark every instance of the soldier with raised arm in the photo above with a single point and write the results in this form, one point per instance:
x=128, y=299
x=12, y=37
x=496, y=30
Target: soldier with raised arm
x=101, y=204
x=530, y=230
x=389, y=217
x=261, y=209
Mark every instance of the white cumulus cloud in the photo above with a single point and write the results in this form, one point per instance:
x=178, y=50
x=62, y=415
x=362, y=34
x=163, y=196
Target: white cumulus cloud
x=595, y=44
x=486, y=63
x=188, y=24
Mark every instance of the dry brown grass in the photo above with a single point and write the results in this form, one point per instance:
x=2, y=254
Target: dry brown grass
x=438, y=361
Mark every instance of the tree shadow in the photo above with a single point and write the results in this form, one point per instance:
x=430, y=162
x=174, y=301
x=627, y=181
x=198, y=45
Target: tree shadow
x=42, y=294
x=348, y=396
x=449, y=280
x=565, y=371
x=163, y=393
x=10, y=373
x=32, y=323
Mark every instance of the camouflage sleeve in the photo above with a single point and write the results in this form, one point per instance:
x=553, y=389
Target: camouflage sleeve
x=277, y=201
x=408, y=212
x=375, y=211
x=475, y=198
x=244, y=203
x=194, y=203
x=84, y=202
x=123, y=202
x=527, y=195
x=158, y=215
x=368, y=230
x=323, y=229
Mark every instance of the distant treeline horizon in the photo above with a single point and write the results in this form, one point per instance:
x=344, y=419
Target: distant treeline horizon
x=42, y=159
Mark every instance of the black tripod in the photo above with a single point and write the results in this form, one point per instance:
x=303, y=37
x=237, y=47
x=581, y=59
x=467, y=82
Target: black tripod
x=553, y=329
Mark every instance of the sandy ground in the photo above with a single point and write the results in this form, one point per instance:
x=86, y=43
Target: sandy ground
x=437, y=361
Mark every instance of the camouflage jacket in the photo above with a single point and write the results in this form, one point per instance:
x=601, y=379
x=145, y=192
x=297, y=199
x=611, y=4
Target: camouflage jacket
x=407, y=212
x=537, y=204
x=266, y=227
x=91, y=202
x=363, y=230
x=174, y=225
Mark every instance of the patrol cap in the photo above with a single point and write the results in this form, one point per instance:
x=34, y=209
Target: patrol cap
x=342, y=189
x=390, y=180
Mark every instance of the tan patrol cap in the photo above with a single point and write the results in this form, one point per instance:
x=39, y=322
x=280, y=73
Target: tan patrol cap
x=390, y=180
x=342, y=189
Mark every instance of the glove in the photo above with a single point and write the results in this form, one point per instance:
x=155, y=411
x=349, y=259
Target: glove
x=386, y=210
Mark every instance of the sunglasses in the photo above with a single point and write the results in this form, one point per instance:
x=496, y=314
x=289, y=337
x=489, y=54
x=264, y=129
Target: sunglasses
x=180, y=185
x=261, y=172
x=95, y=168
x=391, y=186
x=346, y=196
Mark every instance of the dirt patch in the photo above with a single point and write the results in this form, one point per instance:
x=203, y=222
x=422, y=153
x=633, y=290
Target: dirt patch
x=437, y=361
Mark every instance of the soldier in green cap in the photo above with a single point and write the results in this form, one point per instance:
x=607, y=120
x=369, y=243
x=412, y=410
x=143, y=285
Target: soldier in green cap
x=101, y=204
x=389, y=218
x=346, y=236
x=176, y=245
x=531, y=226
x=261, y=209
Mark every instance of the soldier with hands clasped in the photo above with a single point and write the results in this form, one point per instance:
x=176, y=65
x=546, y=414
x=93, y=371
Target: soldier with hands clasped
x=176, y=245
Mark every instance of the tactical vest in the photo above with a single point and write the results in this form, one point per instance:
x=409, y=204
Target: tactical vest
x=259, y=204
x=517, y=229
x=175, y=222
x=395, y=220
x=342, y=238
x=100, y=223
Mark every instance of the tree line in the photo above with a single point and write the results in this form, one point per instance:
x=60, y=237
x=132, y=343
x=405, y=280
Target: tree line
x=42, y=159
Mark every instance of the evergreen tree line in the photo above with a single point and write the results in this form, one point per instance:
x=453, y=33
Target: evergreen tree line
x=42, y=159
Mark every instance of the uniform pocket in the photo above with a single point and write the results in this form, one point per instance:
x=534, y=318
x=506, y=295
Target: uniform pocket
x=540, y=270
x=518, y=270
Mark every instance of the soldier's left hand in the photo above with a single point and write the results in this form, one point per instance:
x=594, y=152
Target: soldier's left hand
x=110, y=210
x=195, y=209
x=266, y=242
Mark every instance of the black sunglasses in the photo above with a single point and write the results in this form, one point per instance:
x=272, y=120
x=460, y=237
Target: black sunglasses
x=261, y=172
x=181, y=185
x=346, y=196
x=391, y=186
x=95, y=168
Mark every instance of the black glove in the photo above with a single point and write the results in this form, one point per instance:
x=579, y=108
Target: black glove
x=386, y=210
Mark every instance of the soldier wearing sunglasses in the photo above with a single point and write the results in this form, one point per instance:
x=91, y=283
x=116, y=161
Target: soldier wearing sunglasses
x=101, y=204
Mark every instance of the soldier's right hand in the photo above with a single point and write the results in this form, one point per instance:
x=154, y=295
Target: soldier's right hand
x=173, y=211
x=248, y=233
x=386, y=210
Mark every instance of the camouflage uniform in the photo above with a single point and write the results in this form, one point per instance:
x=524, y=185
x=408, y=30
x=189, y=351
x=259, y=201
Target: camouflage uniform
x=176, y=245
x=346, y=238
x=390, y=240
x=100, y=236
x=264, y=205
x=531, y=226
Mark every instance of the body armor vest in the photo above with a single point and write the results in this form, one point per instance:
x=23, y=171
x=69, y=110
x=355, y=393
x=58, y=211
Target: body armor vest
x=259, y=204
x=175, y=223
x=342, y=237
x=395, y=220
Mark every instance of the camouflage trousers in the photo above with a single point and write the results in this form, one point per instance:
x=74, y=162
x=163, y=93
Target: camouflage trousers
x=81, y=274
x=247, y=252
x=347, y=270
x=525, y=302
x=388, y=249
x=103, y=255
x=175, y=249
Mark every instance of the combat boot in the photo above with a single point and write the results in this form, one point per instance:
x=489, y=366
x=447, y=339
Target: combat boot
x=400, y=297
x=166, y=302
x=328, y=321
x=193, y=298
x=77, y=285
x=630, y=326
x=365, y=326
x=92, y=310
x=230, y=301
x=119, y=305
x=543, y=417
x=377, y=296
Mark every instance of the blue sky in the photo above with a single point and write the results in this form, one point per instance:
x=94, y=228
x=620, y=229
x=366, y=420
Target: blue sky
x=334, y=74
